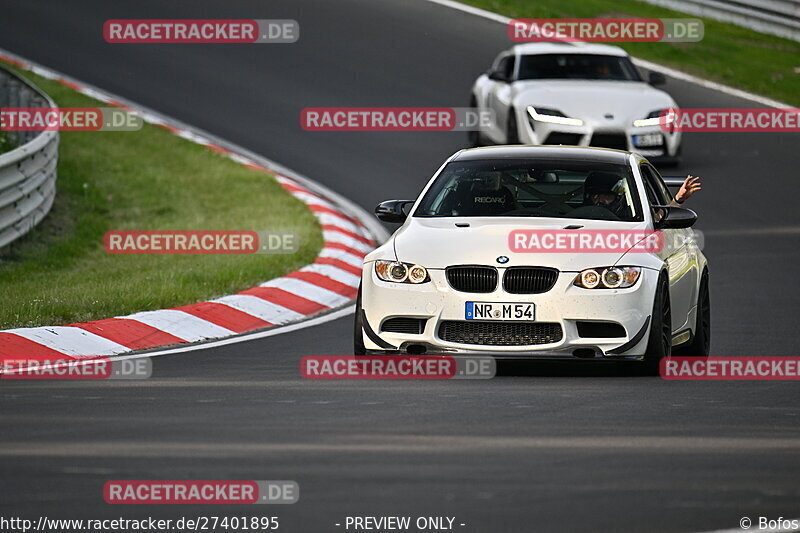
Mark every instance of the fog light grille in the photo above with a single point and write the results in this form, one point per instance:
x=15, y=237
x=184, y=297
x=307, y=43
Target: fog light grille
x=404, y=324
x=499, y=333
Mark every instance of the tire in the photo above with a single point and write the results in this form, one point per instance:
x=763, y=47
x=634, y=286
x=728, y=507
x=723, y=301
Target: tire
x=675, y=160
x=679, y=154
x=512, y=133
x=358, y=329
x=700, y=345
x=659, y=342
x=474, y=136
x=474, y=139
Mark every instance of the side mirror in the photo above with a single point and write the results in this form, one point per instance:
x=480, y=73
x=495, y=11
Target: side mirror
x=656, y=78
x=496, y=75
x=392, y=211
x=674, y=217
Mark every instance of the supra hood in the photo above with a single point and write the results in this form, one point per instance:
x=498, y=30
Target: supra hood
x=438, y=243
x=593, y=100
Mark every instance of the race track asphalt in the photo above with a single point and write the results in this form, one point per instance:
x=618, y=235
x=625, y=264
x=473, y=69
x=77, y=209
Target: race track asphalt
x=568, y=447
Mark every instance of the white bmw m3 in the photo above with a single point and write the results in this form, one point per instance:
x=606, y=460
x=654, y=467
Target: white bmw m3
x=453, y=278
x=575, y=94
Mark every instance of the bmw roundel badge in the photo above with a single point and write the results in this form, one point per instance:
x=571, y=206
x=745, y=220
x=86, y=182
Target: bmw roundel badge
x=502, y=260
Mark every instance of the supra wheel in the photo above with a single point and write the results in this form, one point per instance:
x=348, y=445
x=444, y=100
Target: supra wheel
x=512, y=133
x=474, y=136
x=700, y=346
x=675, y=160
x=659, y=342
x=473, y=139
x=358, y=329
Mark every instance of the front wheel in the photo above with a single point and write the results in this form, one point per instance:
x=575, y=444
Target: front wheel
x=659, y=342
x=474, y=137
x=358, y=329
x=700, y=346
x=512, y=133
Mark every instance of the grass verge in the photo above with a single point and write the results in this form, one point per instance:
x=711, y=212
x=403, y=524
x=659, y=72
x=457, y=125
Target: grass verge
x=144, y=180
x=752, y=61
x=5, y=142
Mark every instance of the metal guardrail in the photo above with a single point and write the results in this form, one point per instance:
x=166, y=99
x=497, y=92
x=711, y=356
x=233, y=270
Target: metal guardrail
x=776, y=17
x=28, y=172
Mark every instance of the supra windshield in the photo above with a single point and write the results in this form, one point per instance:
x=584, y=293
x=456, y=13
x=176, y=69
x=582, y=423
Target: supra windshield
x=577, y=67
x=525, y=188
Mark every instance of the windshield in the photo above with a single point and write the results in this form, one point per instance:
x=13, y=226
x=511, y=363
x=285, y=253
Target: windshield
x=577, y=67
x=530, y=188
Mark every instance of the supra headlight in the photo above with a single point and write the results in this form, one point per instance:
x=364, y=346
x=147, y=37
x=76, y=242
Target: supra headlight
x=553, y=116
x=608, y=277
x=662, y=116
x=397, y=272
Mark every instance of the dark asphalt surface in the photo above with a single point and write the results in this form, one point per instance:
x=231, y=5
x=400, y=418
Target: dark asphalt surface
x=545, y=448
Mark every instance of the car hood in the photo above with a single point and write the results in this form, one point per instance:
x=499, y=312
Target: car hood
x=438, y=243
x=593, y=100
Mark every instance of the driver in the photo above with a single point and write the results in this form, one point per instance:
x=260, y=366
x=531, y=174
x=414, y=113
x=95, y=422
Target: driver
x=600, y=189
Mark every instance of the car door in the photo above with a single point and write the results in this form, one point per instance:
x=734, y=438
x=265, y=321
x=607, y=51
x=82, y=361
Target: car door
x=498, y=99
x=676, y=252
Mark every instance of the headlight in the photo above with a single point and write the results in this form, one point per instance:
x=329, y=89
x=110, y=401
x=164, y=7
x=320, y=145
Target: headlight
x=589, y=279
x=608, y=277
x=552, y=116
x=417, y=274
x=662, y=116
x=396, y=272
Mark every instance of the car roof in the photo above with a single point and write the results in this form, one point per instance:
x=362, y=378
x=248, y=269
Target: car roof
x=576, y=153
x=568, y=48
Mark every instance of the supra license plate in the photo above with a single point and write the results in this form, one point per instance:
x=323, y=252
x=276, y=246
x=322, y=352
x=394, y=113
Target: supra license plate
x=649, y=139
x=499, y=311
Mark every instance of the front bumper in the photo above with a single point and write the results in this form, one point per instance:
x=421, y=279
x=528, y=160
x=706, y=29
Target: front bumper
x=565, y=304
x=612, y=135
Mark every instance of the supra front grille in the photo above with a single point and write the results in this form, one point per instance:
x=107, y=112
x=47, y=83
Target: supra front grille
x=499, y=333
x=600, y=330
x=529, y=280
x=404, y=324
x=468, y=278
x=558, y=137
x=610, y=140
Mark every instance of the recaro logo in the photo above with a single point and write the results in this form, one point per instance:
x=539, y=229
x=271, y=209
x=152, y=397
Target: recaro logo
x=490, y=200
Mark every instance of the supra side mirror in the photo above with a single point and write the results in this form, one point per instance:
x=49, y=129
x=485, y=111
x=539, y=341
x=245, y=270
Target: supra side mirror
x=674, y=217
x=656, y=78
x=496, y=75
x=393, y=210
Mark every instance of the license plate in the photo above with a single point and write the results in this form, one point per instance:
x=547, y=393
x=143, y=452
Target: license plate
x=499, y=311
x=649, y=139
